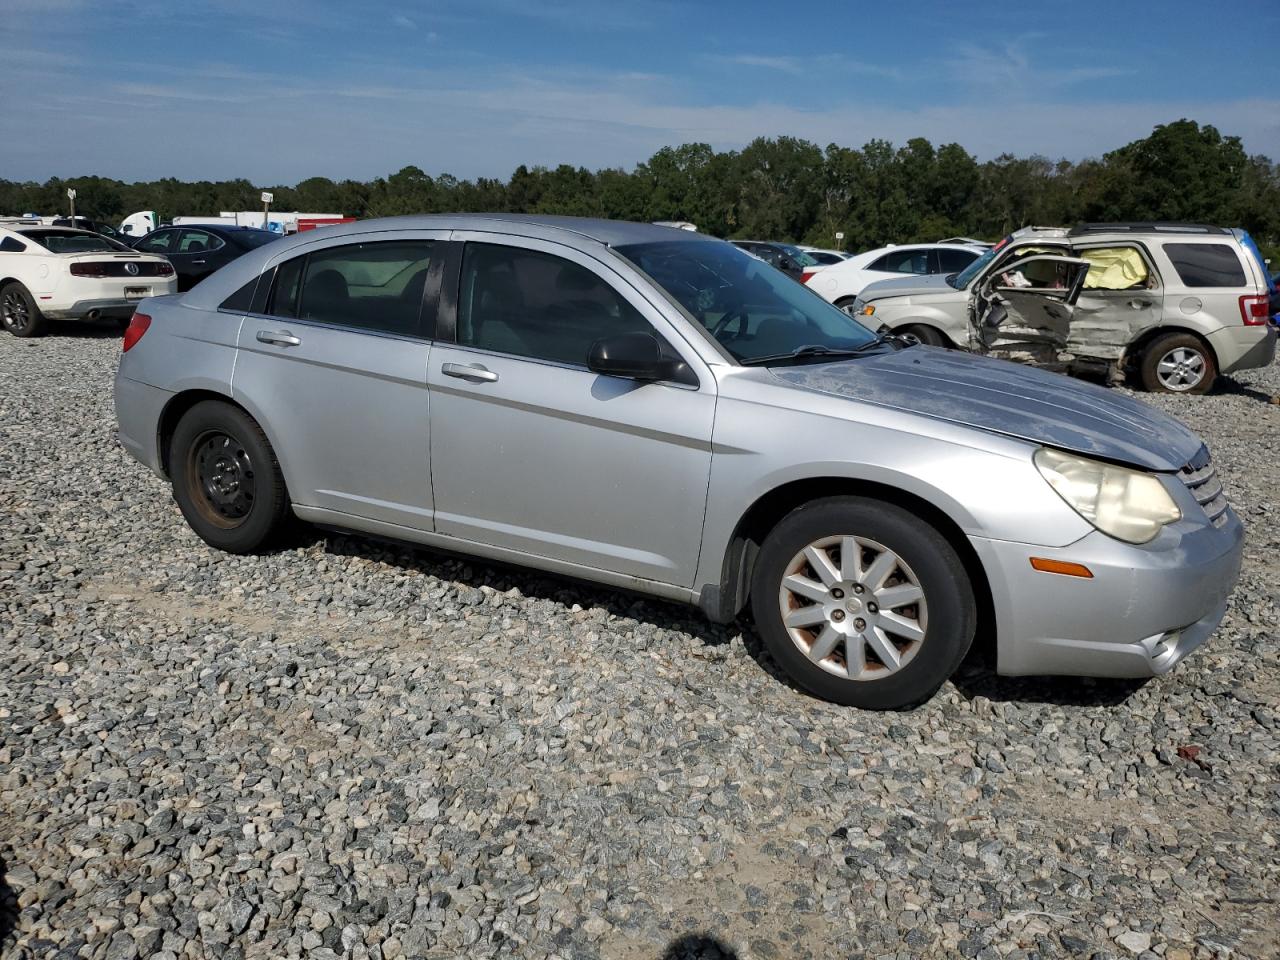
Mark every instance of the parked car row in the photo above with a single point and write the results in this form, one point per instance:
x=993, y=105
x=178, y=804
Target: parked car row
x=659, y=410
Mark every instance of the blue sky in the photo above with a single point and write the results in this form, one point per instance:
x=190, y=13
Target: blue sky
x=279, y=90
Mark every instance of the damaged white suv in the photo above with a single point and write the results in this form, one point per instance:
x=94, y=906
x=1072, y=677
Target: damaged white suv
x=1175, y=304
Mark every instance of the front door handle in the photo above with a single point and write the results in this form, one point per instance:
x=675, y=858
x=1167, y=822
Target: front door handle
x=469, y=371
x=281, y=338
x=197, y=261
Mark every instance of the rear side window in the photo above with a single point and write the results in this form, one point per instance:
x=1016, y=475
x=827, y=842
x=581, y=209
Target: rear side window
x=953, y=261
x=537, y=305
x=197, y=241
x=1206, y=264
x=369, y=286
x=12, y=245
x=903, y=261
x=242, y=300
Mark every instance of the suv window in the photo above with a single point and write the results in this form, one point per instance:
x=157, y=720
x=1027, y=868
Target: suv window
x=903, y=261
x=159, y=242
x=537, y=305
x=1206, y=264
x=370, y=286
x=953, y=261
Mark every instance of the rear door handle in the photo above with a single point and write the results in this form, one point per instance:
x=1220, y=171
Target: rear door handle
x=281, y=338
x=197, y=261
x=469, y=371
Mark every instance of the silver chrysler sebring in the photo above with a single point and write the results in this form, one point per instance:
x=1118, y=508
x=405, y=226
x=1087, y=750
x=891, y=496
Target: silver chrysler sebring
x=660, y=411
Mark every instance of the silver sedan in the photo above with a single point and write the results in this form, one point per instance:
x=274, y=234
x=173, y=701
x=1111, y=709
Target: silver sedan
x=657, y=410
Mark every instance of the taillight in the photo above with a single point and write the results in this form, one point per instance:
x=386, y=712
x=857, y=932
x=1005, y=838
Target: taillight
x=1255, y=310
x=88, y=270
x=138, y=325
x=164, y=269
x=804, y=277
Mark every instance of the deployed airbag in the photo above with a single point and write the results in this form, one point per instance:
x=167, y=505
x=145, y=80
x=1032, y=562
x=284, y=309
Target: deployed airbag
x=1114, y=268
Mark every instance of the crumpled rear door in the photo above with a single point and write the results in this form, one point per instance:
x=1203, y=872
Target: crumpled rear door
x=1024, y=311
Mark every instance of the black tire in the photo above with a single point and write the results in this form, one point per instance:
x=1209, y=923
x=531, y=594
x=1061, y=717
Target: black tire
x=930, y=336
x=19, y=314
x=844, y=303
x=1178, y=344
x=949, y=615
x=226, y=478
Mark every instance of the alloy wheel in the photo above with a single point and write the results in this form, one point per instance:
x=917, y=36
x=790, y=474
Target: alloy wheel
x=14, y=311
x=1180, y=369
x=853, y=607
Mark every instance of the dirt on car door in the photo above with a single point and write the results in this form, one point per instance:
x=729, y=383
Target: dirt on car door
x=1023, y=310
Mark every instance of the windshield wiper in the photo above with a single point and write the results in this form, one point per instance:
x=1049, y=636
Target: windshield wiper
x=815, y=350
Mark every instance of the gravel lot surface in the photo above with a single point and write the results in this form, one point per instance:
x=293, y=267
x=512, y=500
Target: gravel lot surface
x=346, y=749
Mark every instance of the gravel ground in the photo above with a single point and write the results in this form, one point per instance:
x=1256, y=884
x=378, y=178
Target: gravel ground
x=348, y=749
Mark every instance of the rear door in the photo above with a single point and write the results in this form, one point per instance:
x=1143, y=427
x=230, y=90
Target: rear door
x=334, y=364
x=1023, y=311
x=195, y=254
x=1122, y=296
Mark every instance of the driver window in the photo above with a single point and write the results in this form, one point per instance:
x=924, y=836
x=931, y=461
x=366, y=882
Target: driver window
x=537, y=305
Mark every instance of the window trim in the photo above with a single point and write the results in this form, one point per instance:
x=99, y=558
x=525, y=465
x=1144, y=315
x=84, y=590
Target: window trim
x=668, y=332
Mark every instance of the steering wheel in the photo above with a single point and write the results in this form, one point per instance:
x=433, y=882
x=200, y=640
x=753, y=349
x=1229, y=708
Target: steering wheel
x=733, y=313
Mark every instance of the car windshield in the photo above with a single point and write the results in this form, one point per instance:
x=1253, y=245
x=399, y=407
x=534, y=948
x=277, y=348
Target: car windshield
x=72, y=241
x=965, y=277
x=251, y=238
x=751, y=309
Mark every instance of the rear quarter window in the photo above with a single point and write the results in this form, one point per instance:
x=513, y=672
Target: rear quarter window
x=1206, y=264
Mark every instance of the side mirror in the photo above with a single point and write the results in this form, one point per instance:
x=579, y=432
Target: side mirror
x=636, y=356
x=786, y=265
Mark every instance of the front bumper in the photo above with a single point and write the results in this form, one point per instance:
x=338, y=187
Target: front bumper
x=1145, y=609
x=139, y=407
x=1244, y=348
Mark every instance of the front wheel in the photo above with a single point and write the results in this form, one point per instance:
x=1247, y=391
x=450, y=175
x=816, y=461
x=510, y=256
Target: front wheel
x=19, y=313
x=930, y=336
x=226, y=478
x=863, y=604
x=1177, y=363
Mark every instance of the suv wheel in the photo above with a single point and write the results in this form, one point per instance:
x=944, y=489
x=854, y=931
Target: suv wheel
x=930, y=336
x=1177, y=363
x=862, y=604
x=226, y=478
x=19, y=313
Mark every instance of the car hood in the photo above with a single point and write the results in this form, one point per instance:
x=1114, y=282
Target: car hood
x=912, y=286
x=1010, y=399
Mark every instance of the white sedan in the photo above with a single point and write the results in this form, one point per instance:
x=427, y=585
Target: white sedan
x=59, y=273
x=840, y=283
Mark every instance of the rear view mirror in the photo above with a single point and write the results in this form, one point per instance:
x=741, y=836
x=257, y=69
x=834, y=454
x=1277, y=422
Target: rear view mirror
x=636, y=356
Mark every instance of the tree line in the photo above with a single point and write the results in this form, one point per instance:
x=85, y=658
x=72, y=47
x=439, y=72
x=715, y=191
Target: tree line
x=779, y=188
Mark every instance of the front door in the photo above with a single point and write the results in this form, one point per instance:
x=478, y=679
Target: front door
x=336, y=370
x=533, y=452
x=1023, y=310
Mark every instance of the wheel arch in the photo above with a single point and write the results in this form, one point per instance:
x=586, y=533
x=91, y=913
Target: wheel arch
x=180, y=403
x=1134, y=351
x=722, y=603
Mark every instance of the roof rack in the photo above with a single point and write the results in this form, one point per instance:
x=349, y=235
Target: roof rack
x=1147, y=226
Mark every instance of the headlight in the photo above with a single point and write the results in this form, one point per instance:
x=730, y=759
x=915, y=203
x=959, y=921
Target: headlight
x=1127, y=504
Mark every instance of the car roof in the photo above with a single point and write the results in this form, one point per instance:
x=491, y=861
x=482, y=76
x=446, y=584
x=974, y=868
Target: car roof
x=572, y=231
x=1146, y=226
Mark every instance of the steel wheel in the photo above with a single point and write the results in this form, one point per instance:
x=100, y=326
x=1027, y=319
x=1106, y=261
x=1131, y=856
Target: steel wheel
x=15, y=312
x=1181, y=369
x=853, y=607
x=223, y=472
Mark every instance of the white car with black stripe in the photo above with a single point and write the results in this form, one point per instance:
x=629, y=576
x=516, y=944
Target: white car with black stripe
x=59, y=273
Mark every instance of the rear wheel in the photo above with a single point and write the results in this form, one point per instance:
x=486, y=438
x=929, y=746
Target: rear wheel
x=863, y=604
x=1178, y=363
x=926, y=334
x=19, y=313
x=226, y=478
